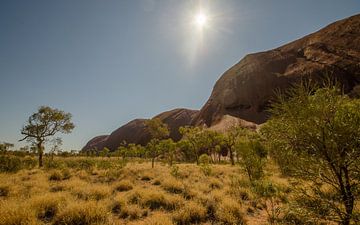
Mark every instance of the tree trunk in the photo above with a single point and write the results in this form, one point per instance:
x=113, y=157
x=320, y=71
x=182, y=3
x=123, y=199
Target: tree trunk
x=40, y=152
x=152, y=162
x=232, y=157
x=348, y=197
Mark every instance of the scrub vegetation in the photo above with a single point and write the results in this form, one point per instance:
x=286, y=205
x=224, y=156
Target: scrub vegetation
x=301, y=167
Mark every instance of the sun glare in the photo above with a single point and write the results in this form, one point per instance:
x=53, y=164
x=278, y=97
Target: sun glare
x=201, y=19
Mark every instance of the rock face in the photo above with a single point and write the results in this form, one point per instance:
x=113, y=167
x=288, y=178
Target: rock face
x=136, y=132
x=242, y=93
x=177, y=118
x=97, y=142
x=245, y=89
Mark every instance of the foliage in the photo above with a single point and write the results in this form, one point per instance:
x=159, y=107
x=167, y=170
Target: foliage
x=204, y=163
x=44, y=124
x=158, y=131
x=252, y=153
x=314, y=135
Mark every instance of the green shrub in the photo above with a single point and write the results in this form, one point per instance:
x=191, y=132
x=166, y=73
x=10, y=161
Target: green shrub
x=10, y=164
x=53, y=164
x=204, y=159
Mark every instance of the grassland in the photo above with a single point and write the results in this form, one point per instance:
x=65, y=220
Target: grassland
x=80, y=191
x=106, y=191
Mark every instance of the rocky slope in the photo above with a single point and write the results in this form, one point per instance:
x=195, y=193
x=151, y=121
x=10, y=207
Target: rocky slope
x=242, y=93
x=136, y=132
x=245, y=89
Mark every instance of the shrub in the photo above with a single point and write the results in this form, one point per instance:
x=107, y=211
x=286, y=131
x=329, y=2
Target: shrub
x=174, y=171
x=158, y=218
x=123, y=185
x=53, y=164
x=84, y=213
x=146, y=177
x=47, y=206
x=10, y=164
x=29, y=162
x=204, y=159
x=215, y=184
x=229, y=212
x=132, y=212
x=124, y=210
x=92, y=192
x=55, y=176
x=191, y=213
x=13, y=213
x=66, y=174
x=154, y=199
x=173, y=186
x=4, y=190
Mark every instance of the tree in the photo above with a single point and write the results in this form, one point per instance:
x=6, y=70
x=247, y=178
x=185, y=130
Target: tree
x=314, y=134
x=56, y=143
x=193, y=138
x=229, y=140
x=158, y=131
x=251, y=153
x=43, y=124
x=167, y=148
x=105, y=152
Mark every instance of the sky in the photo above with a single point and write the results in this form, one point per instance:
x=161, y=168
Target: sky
x=110, y=61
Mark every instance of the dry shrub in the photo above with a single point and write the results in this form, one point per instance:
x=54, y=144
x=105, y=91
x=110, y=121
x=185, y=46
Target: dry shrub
x=215, y=183
x=154, y=199
x=123, y=185
x=55, y=176
x=57, y=188
x=15, y=213
x=4, y=190
x=158, y=218
x=132, y=212
x=173, y=186
x=192, y=212
x=92, y=192
x=230, y=212
x=127, y=211
x=84, y=213
x=48, y=205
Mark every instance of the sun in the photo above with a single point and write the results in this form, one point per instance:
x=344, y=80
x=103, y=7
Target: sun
x=200, y=19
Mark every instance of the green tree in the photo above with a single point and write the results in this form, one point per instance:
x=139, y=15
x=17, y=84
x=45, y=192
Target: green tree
x=314, y=134
x=167, y=148
x=43, y=124
x=158, y=131
x=194, y=140
x=252, y=154
x=105, y=152
x=229, y=140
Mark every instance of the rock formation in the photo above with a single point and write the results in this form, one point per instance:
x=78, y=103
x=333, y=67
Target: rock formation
x=136, y=132
x=245, y=89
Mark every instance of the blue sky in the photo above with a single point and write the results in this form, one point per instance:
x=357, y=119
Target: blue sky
x=110, y=61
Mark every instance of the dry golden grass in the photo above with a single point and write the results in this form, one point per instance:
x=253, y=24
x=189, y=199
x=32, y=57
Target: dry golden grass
x=78, y=212
x=134, y=194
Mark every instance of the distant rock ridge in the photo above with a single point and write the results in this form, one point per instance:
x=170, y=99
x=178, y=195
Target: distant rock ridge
x=242, y=94
x=136, y=132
